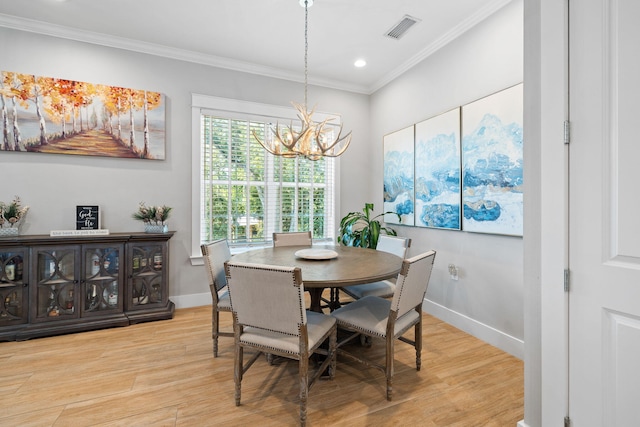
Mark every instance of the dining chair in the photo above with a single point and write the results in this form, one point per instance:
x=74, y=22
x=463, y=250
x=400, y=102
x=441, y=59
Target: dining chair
x=385, y=288
x=294, y=238
x=215, y=254
x=270, y=317
x=390, y=319
x=302, y=238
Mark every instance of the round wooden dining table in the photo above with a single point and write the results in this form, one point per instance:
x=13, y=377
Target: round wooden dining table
x=351, y=266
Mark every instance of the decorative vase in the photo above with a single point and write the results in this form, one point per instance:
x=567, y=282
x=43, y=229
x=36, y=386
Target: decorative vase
x=156, y=228
x=9, y=232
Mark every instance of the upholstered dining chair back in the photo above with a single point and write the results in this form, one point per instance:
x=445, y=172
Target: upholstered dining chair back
x=412, y=283
x=267, y=297
x=376, y=317
x=215, y=254
x=270, y=317
x=394, y=245
x=295, y=238
x=398, y=246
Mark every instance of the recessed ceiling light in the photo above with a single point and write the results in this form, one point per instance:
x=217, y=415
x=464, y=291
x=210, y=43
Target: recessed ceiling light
x=360, y=63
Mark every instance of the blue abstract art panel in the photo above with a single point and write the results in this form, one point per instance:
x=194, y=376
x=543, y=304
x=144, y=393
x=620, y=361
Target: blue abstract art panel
x=398, y=176
x=437, y=174
x=492, y=164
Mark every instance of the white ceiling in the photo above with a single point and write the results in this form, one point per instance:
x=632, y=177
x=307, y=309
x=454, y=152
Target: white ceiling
x=263, y=36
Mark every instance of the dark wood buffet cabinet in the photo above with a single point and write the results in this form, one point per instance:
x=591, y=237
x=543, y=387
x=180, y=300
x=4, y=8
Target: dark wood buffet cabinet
x=56, y=285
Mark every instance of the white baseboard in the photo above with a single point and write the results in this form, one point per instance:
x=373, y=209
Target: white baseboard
x=496, y=338
x=192, y=300
x=521, y=423
x=479, y=330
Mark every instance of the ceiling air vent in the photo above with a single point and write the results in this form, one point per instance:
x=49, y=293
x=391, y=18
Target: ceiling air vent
x=402, y=27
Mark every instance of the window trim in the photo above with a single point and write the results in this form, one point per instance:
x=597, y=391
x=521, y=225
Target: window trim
x=240, y=109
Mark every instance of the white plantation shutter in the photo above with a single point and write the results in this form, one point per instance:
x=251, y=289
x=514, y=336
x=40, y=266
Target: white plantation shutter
x=248, y=194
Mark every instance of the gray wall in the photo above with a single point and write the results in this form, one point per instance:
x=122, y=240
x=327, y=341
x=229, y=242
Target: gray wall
x=487, y=300
x=52, y=185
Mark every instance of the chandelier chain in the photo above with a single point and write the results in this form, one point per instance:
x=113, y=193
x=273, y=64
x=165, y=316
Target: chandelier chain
x=306, y=49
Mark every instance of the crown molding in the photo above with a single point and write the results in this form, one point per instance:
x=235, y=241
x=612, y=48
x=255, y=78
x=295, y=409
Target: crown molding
x=53, y=30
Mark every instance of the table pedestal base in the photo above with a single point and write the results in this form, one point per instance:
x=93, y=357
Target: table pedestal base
x=316, y=299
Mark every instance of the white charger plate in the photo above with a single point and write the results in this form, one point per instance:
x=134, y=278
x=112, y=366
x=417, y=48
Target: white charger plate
x=316, y=254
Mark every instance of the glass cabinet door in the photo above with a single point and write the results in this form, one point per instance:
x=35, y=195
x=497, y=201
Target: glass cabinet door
x=56, y=283
x=13, y=287
x=52, y=285
x=147, y=275
x=102, y=281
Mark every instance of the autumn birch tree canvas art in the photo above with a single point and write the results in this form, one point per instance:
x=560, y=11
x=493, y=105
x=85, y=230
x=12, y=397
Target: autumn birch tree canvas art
x=52, y=115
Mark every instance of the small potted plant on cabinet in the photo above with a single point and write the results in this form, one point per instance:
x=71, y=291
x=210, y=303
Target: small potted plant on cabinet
x=154, y=217
x=11, y=217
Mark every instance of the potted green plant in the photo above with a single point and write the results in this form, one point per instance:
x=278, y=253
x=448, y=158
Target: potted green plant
x=154, y=217
x=361, y=229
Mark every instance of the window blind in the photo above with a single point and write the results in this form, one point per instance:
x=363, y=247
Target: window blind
x=248, y=194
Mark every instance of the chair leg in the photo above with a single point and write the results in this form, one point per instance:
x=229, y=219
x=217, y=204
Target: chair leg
x=215, y=322
x=418, y=341
x=303, y=369
x=333, y=350
x=237, y=371
x=389, y=365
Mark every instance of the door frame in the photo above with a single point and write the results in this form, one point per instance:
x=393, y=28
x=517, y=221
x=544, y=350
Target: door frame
x=546, y=211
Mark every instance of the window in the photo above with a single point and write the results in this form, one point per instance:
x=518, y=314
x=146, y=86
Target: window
x=246, y=194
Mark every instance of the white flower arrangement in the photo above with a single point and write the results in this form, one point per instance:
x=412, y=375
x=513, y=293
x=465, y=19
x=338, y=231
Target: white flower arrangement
x=156, y=215
x=12, y=214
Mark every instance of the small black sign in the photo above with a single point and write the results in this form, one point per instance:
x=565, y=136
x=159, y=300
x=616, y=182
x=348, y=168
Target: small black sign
x=87, y=218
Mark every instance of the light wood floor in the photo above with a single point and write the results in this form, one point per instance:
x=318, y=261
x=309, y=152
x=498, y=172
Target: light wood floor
x=163, y=374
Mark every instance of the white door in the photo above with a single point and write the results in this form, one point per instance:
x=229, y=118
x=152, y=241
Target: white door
x=604, y=218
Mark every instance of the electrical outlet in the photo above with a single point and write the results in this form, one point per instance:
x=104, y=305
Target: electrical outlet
x=453, y=272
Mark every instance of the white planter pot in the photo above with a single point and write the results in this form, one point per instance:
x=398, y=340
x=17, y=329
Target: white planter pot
x=9, y=232
x=156, y=228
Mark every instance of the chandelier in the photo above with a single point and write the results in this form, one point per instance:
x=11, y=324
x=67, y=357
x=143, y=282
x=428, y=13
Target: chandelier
x=312, y=140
